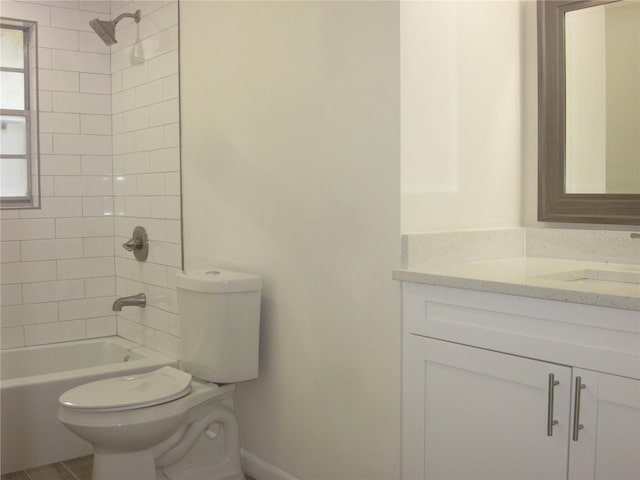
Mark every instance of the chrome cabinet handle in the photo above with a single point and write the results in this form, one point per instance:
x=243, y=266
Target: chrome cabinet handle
x=550, y=420
x=577, y=426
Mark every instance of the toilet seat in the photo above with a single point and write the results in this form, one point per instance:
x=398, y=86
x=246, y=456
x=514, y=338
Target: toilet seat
x=129, y=392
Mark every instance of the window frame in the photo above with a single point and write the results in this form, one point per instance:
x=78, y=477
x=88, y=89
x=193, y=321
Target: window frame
x=29, y=113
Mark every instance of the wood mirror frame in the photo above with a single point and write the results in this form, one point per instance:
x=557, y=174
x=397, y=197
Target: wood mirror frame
x=554, y=204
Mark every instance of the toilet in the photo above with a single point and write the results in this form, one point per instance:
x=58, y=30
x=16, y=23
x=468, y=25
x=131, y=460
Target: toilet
x=171, y=424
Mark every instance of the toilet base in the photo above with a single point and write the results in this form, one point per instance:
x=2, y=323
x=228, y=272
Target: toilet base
x=203, y=470
x=140, y=466
x=207, y=448
x=210, y=458
x=123, y=465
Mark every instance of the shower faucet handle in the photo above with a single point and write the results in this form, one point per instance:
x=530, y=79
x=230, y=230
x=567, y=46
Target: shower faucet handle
x=138, y=244
x=132, y=244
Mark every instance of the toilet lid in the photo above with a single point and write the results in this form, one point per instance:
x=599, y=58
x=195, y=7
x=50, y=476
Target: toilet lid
x=128, y=392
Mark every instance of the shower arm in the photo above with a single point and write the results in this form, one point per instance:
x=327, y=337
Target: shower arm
x=136, y=16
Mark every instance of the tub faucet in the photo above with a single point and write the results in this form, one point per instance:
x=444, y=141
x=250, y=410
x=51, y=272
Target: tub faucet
x=138, y=300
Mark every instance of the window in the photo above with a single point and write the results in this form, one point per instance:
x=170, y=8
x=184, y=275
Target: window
x=19, y=183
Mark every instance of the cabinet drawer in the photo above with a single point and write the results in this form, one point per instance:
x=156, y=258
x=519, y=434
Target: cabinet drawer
x=595, y=338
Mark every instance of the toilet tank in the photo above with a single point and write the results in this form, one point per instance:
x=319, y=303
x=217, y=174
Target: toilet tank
x=220, y=324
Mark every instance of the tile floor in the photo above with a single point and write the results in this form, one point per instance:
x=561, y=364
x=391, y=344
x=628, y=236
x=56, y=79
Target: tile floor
x=76, y=469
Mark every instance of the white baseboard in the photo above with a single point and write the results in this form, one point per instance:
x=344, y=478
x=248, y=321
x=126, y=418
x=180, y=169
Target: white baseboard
x=261, y=469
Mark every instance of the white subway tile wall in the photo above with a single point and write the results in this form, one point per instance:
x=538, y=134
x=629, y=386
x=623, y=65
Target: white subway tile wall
x=110, y=160
x=49, y=257
x=146, y=163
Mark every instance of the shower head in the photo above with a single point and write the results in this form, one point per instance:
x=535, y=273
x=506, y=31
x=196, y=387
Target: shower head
x=106, y=29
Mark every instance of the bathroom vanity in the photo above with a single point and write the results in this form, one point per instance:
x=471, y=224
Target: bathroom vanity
x=520, y=368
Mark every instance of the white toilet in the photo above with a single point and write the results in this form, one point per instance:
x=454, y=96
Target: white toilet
x=170, y=424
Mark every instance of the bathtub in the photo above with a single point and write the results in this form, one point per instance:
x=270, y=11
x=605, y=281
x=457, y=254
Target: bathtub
x=32, y=379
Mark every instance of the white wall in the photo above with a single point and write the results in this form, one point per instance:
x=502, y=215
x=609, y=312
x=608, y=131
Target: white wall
x=461, y=114
x=57, y=261
x=290, y=130
x=60, y=267
x=146, y=159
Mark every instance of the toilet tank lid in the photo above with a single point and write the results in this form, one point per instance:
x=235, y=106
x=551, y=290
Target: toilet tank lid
x=215, y=280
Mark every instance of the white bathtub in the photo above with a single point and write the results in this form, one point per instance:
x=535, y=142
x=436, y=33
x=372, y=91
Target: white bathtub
x=32, y=379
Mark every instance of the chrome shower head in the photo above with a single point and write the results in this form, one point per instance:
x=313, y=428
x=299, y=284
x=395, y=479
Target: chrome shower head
x=106, y=29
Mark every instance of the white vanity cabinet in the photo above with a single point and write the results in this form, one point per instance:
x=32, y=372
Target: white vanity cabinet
x=489, y=387
x=472, y=413
x=609, y=445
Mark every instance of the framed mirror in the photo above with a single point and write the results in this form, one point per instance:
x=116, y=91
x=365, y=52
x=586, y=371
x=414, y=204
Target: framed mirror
x=589, y=111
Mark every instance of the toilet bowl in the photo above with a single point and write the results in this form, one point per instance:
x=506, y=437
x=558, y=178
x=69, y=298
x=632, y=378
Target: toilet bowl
x=133, y=438
x=166, y=424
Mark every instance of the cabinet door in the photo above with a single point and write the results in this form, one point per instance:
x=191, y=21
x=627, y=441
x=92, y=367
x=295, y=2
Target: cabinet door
x=470, y=413
x=608, y=445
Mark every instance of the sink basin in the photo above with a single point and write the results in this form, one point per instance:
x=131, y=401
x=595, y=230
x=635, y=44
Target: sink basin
x=596, y=277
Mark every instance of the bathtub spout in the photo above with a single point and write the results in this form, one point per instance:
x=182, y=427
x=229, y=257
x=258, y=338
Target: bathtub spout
x=139, y=300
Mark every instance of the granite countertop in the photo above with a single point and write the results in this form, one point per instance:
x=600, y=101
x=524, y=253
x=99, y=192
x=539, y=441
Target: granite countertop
x=591, y=283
